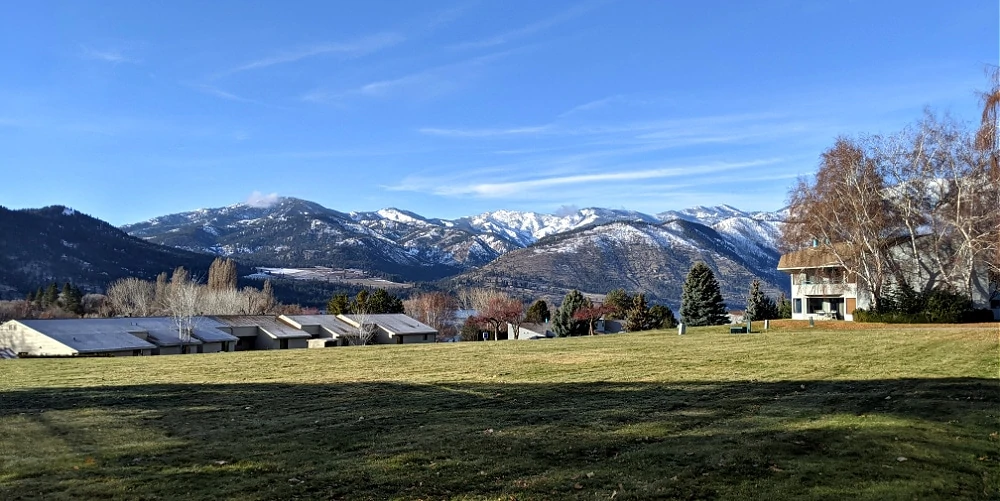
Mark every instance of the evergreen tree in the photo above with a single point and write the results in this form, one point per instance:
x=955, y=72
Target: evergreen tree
x=39, y=298
x=30, y=298
x=662, y=317
x=360, y=304
x=563, y=323
x=701, y=299
x=51, y=297
x=538, y=312
x=382, y=302
x=760, y=306
x=72, y=299
x=620, y=301
x=637, y=317
x=339, y=304
x=784, y=307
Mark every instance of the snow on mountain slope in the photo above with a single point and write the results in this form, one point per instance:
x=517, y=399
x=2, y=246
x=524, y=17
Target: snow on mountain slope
x=294, y=232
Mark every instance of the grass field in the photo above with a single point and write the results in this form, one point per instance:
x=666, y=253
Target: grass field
x=879, y=413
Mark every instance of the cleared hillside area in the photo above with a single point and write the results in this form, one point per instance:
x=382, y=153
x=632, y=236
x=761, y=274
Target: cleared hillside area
x=878, y=413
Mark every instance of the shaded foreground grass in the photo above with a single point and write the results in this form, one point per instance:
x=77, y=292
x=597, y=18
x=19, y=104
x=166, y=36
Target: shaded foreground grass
x=886, y=413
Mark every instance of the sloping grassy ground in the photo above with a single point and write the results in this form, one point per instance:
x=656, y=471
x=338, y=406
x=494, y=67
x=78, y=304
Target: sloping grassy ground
x=882, y=413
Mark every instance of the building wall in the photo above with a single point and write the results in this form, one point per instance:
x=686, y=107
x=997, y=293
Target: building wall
x=21, y=339
x=128, y=353
x=381, y=337
x=416, y=338
x=296, y=344
x=265, y=342
x=210, y=347
x=167, y=350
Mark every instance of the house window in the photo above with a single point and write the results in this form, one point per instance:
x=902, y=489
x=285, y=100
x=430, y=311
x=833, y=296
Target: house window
x=425, y=337
x=797, y=305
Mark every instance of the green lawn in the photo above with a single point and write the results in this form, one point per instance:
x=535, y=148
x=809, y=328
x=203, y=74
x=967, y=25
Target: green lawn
x=880, y=414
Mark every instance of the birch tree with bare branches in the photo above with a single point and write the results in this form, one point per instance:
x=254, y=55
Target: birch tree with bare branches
x=844, y=211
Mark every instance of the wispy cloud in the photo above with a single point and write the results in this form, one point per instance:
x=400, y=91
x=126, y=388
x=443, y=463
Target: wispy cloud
x=113, y=56
x=214, y=91
x=530, y=187
x=529, y=29
x=640, y=129
x=513, y=131
x=420, y=84
x=354, y=48
x=593, y=105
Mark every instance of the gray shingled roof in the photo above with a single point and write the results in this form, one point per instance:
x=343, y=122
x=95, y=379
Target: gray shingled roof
x=329, y=323
x=269, y=325
x=90, y=335
x=396, y=324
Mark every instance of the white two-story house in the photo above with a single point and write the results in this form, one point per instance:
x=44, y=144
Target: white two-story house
x=823, y=290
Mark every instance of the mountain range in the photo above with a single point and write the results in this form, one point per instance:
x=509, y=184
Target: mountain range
x=593, y=249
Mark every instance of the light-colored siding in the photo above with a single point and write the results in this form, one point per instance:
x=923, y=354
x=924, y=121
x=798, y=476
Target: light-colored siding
x=22, y=339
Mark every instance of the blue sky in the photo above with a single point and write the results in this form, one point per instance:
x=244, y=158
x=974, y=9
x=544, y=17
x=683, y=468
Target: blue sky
x=129, y=110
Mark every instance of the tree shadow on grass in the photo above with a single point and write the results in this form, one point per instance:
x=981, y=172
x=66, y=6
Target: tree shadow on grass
x=883, y=439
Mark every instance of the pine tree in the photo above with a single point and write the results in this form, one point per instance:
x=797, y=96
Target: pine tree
x=538, y=312
x=30, y=298
x=662, y=317
x=51, y=297
x=71, y=298
x=339, y=304
x=701, y=299
x=563, y=323
x=637, y=317
x=360, y=304
x=620, y=301
x=383, y=302
x=760, y=306
x=39, y=298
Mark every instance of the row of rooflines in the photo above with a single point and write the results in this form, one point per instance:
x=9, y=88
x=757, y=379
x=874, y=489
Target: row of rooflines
x=161, y=336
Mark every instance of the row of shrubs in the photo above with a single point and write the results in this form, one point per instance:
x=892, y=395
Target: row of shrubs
x=904, y=305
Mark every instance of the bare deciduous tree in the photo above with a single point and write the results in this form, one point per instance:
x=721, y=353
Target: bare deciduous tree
x=182, y=303
x=844, y=210
x=435, y=309
x=495, y=309
x=132, y=297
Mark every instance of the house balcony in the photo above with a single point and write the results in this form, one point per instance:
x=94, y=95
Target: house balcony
x=825, y=289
